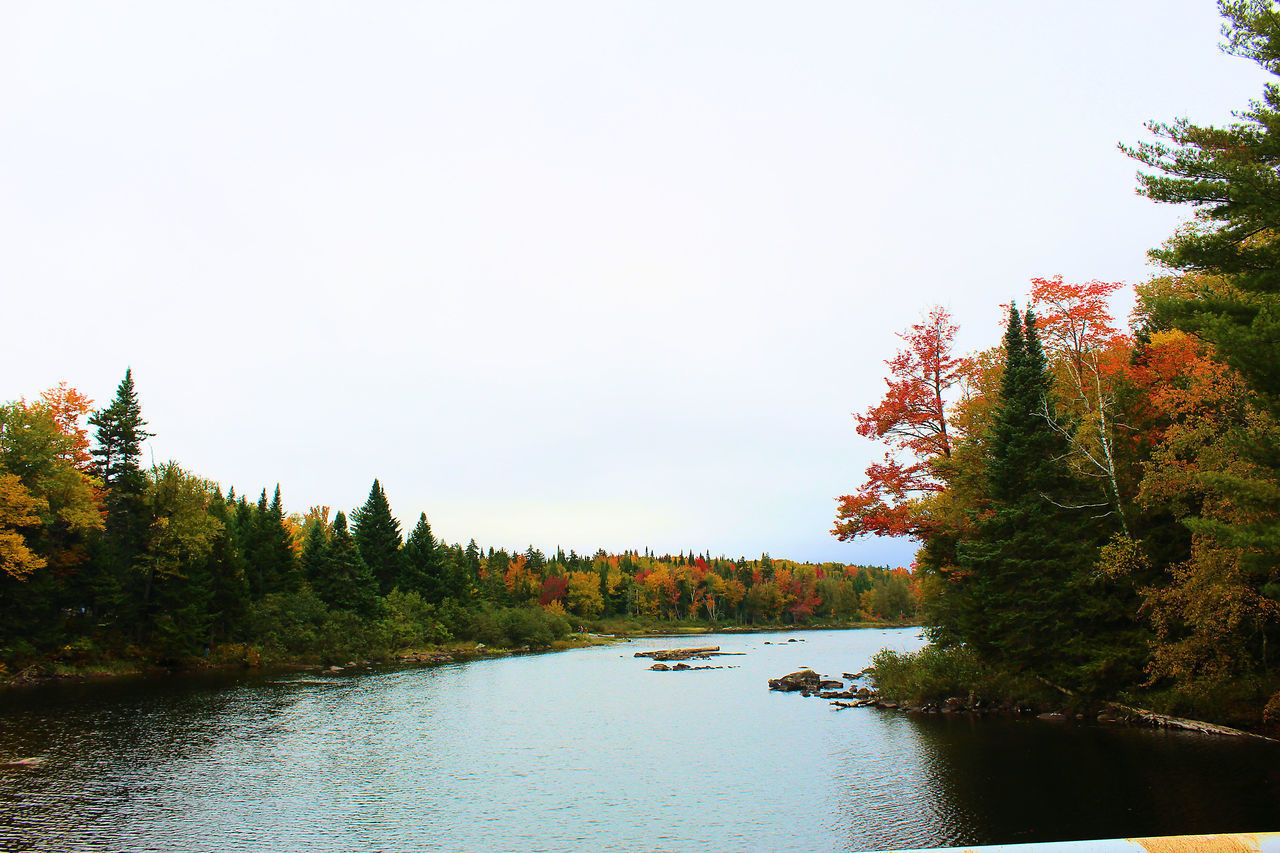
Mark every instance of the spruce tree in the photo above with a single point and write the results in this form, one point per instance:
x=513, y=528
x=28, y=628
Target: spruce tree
x=343, y=580
x=421, y=566
x=1021, y=597
x=272, y=564
x=119, y=432
x=377, y=535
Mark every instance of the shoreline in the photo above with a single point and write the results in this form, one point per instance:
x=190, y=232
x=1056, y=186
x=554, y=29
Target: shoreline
x=51, y=672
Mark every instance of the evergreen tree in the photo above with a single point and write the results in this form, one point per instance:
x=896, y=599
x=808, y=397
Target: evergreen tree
x=116, y=577
x=343, y=580
x=229, y=588
x=1232, y=176
x=421, y=566
x=377, y=535
x=1024, y=595
x=313, y=553
x=273, y=566
x=119, y=433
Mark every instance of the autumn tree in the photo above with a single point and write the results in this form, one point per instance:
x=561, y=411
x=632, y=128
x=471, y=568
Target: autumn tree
x=19, y=511
x=1075, y=323
x=911, y=419
x=1230, y=176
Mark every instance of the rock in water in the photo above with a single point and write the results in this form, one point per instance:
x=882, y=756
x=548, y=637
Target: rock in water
x=804, y=679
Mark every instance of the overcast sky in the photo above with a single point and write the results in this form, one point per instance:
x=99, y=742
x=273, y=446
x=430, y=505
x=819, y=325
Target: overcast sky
x=594, y=274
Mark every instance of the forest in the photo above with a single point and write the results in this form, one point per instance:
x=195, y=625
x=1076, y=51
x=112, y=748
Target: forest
x=1097, y=503
x=106, y=562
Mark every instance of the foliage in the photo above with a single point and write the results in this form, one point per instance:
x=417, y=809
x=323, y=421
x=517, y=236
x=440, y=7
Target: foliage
x=911, y=419
x=935, y=673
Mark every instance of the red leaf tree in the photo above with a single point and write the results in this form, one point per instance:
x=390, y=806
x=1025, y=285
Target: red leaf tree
x=912, y=421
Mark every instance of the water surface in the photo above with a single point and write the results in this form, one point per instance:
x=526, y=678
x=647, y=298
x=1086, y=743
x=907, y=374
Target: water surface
x=589, y=750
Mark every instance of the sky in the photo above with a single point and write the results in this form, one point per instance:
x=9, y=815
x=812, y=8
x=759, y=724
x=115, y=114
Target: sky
x=580, y=274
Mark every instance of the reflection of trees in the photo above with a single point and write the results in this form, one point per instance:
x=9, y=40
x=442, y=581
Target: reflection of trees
x=1015, y=780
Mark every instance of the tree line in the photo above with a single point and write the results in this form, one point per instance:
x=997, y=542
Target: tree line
x=101, y=557
x=1098, y=505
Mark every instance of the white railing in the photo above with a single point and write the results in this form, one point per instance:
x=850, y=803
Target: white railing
x=1244, y=842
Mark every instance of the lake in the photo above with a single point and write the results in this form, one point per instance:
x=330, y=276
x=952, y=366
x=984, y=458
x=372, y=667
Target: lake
x=589, y=750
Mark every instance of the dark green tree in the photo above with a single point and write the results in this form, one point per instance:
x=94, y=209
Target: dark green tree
x=377, y=535
x=421, y=566
x=115, y=574
x=272, y=564
x=1023, y=595
x=343, y=580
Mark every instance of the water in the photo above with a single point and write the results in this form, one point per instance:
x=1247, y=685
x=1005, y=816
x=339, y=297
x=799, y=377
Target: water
x=589, y=750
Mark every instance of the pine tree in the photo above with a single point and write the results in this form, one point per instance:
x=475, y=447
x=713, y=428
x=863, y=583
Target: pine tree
x=1231, y=175
x=377, y=535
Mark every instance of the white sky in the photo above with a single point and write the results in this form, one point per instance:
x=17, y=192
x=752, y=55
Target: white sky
x=594, y=274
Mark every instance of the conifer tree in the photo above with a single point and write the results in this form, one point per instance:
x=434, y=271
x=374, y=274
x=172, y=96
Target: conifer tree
x=119, y=432
x=273, y=567
x=1231, y=175
x=1021, y=595
x=343, y=580
x=377, y=535
x=421, y=566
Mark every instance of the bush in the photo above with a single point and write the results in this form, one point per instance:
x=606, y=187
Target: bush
x=935, y=674
x=411, y=621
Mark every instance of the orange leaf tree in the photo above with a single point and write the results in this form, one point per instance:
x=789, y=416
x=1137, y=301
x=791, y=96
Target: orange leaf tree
x=911, y=419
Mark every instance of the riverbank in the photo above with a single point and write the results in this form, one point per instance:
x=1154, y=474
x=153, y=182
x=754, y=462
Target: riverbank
x=947, y=681
x=240, y=657
x=623, y=626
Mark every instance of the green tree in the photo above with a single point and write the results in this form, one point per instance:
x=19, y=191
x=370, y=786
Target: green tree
x=176, y=584
x=1022, y=594
x=377, y=535
x=1231, y=177
x=269, y=544
x=344, y=580
x=421, y=567
x=119, y=432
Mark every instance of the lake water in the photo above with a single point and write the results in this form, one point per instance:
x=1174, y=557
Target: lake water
x=589, y=750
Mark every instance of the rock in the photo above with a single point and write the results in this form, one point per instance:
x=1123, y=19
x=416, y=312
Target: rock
x=1052, y=715
x=831, y=685
x=863, y=693
x=25, y=762
x=804, y=679
x=952, y=705
x=680, y=666
x=892, y=706
x=335, y=669
x=479, y=646
x=792, y=640
x=660, y=667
